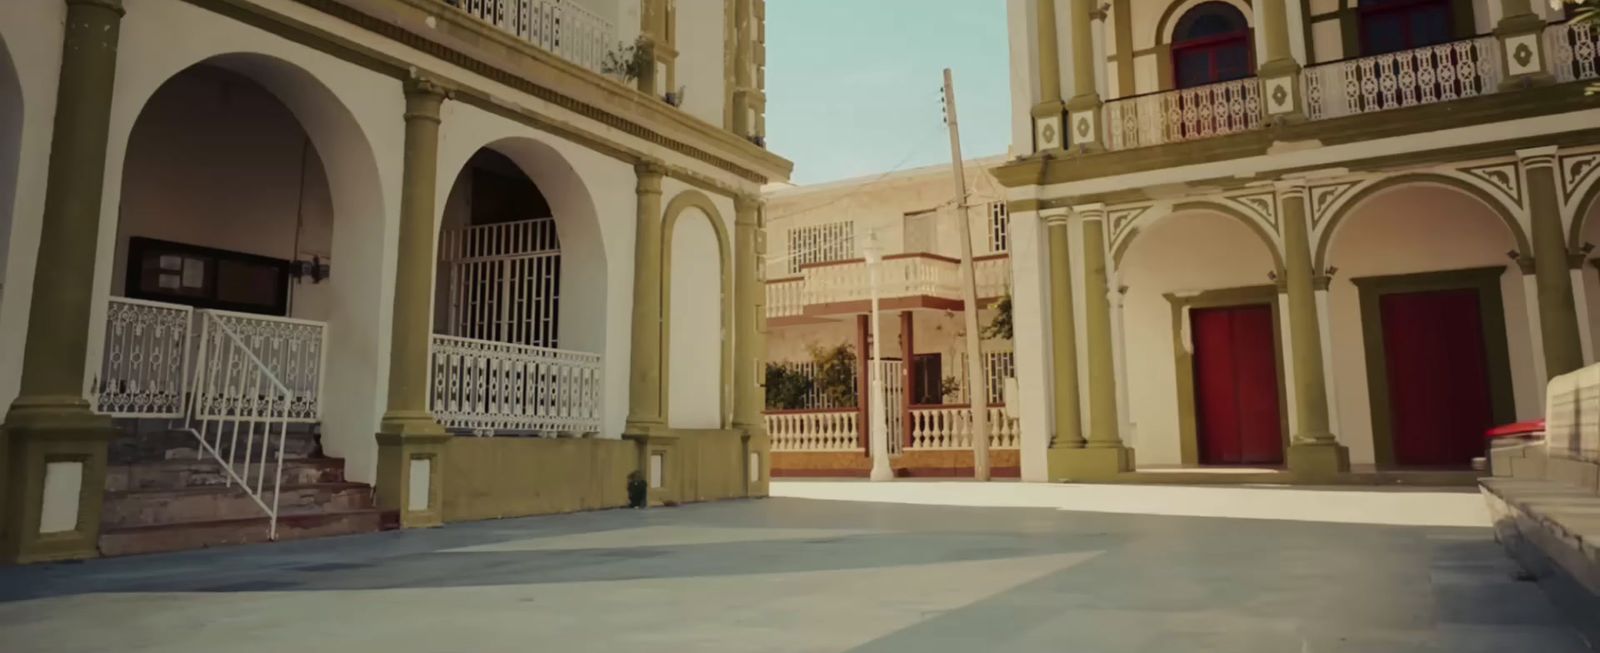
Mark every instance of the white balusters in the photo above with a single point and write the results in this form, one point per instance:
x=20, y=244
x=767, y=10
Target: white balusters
x=785, y=297
x=562, y=28
x=813, y=430
x=1574, y=50
x=1435, y=73
x=497, y=386
x=950, y=427
x=1184, y=114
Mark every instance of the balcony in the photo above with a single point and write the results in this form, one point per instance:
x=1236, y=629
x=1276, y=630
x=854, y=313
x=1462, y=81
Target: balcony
x=1436, y=73
x=917, y=280
x=1184, y=114
x=561, y=28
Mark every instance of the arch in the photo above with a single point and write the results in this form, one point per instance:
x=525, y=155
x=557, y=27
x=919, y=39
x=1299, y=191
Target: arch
x=583, y=256
x=1167, y=26
x=362, y=266
x=694, y=199
x=11, y=110
x=1204, y=205
x=1506, y=214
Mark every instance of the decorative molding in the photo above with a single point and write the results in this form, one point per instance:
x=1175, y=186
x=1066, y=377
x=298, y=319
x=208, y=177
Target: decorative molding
x=1122, y=218
x=1324, y=199
x=1502, y=177
x=1263, y=205
x=1576, y=170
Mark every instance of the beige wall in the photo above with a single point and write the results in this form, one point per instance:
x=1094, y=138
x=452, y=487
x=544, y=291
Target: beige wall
x=185, y=182
x=1184, y=253
x=492, y=478
x=1418, y=229
x=695, y=318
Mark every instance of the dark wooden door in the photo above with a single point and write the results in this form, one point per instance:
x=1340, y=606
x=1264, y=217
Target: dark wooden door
x=1236, y=386
x=1438, y=373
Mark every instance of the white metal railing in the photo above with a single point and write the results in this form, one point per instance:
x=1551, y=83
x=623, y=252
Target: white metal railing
x=1184, y=114
x=1574, y=50
x=563, y=28
x=785, y=297
x=293, y=350
x=145, y=368
x=493, y=387
x=240, y=411
x=504, y=281
x=950, y=427
x=1435, y=73
x=813, y=430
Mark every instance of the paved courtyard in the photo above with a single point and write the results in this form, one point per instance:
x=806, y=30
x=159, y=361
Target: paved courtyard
x=834, y=567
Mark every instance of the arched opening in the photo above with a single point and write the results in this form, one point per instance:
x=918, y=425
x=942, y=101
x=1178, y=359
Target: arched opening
x=1396, y=25
x=1588, y=238
x=1200, y=323
x=519, y=297
x=248, y=237
x=1211, y=44
x=1422, y=284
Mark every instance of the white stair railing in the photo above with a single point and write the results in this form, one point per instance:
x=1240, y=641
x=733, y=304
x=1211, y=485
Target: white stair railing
x=144, y=370
x=240, y=411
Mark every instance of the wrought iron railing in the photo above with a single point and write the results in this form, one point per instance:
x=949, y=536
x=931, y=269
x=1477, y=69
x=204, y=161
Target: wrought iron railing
x=1435, y=73
x=1184, y=114
x=144, y=370
x=497, y=387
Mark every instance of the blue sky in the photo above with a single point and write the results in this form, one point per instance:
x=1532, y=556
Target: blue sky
x=853, y=85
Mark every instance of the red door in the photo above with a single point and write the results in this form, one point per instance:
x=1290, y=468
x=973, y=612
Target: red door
x=1439, y=402
x=1236, y=386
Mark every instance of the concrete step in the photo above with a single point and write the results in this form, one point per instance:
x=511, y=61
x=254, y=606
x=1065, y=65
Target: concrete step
x=152, y=446
x=129, y=508
x=188, y=472
x=199, y=535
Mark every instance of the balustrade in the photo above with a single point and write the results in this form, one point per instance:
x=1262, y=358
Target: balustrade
x=491, y=387
x=565, y=29
x=813, y=430
x=1435, y=73
x=1183, y=114
x=1574, y=50
x=950, y=427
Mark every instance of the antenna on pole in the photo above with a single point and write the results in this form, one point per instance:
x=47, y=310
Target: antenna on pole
x=977, y=386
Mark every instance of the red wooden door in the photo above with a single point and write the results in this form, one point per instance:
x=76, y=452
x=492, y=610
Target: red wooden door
x=1236, y=386
x=1439, y=402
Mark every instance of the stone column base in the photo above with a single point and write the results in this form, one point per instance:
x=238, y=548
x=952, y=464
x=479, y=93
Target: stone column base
x=1314, y=461
x=757, y=453
x=411, y=470
x=54, y=481
x=1095, y=464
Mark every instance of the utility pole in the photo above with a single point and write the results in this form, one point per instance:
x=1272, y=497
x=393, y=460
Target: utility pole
x=879, y=430
x=977, y=386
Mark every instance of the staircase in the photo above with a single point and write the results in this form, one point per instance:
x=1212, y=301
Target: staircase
x=161, y=497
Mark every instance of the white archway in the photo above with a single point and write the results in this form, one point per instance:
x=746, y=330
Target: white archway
x=11, y=108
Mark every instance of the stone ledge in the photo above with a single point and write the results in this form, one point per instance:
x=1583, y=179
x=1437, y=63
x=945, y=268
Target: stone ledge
x=1561, y=521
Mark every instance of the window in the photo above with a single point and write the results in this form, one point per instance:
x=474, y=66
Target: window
x=821, y=243
x=1396, y=25
x=927, y=380
x=999, y=228
x=206, y=278
x=1211, y=44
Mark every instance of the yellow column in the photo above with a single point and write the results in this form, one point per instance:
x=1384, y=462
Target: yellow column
x=1558, y=312
x=1103, y=454
x=51, y=437
x=750, y=342
x=644, y=373
x=1049, y=112
x=1279, y=72
x=411, y=443
x=1063, y=337
x=1083, y=110
x=1313, y=451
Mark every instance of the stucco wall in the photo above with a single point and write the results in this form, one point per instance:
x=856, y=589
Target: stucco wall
x=700, y=67
x=492, y=478
x=1184, y=253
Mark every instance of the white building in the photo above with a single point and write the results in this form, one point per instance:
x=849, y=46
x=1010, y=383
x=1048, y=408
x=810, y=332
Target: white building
x=1314, y=235
x=253, y=228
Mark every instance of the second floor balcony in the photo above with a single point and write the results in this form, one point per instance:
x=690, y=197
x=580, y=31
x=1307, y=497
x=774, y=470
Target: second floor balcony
x=566, y=29
x=911, y=280
x=1421, y=76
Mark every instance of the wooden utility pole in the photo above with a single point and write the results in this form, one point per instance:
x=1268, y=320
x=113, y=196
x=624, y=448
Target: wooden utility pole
x=977, y=385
